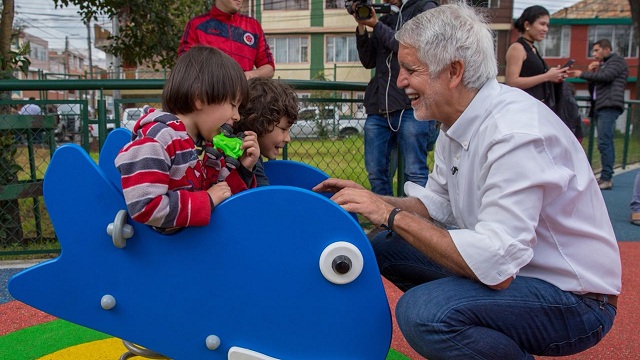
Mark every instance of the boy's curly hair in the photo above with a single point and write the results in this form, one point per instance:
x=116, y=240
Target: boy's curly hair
x=269, y=101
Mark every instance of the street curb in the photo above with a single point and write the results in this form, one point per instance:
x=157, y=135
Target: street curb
x=19, y=264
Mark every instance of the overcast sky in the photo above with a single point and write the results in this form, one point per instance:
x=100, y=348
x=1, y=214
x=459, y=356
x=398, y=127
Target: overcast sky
x=43, y=20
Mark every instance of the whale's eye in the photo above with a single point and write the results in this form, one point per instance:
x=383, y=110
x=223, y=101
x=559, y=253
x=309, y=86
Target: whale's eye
x=341, y=262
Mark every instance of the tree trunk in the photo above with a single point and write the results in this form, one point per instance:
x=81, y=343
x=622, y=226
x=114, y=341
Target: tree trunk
x=6, y=27
x=10, y=224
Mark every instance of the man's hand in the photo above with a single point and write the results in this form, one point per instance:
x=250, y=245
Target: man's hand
x=574, y=73
x=334, y=185
x=593, y=66
x=263, y=71
x=370, y=22
x=503, y=285
x=251, y=150
x=365, y=203
x=353, y=197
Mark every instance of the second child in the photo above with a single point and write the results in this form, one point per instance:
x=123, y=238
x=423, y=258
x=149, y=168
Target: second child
x=270, y=112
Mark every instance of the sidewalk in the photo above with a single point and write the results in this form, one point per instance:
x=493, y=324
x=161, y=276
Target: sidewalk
x=617, y=200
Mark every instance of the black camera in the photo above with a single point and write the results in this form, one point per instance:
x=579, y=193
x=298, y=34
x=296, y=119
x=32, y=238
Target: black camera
x=362, y=8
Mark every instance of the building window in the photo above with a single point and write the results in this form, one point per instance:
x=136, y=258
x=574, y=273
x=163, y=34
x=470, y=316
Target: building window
x=289, y=49
x=557, y=42
x=341, y=49
x=491, y=4
x=286, y=5
x=332, y=4
x=621, y=37
x=38, y=52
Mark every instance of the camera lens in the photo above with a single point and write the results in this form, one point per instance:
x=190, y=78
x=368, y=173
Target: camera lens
x=363, y=12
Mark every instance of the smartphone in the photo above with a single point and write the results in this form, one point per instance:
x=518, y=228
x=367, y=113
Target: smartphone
x=569, y=63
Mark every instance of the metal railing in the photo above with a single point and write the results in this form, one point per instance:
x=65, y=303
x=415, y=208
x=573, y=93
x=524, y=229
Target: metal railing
x=28, y=142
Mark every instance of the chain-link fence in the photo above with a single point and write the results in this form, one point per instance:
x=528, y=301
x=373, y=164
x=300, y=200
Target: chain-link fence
x=626, y=141
x=328, y=135
x=26, y=145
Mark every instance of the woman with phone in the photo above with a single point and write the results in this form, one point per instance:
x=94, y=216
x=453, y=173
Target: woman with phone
x=526, y=69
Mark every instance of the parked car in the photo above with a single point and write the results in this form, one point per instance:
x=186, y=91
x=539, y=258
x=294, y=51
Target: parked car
x=130, y=116
x=128, y=120
x=67, y=122
x=315, y=122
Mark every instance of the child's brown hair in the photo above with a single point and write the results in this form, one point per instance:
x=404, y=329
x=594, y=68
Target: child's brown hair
x=207, y=74
x=269, y=101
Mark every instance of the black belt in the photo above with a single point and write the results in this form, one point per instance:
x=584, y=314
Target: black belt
x=386, y=113
x=609, y=299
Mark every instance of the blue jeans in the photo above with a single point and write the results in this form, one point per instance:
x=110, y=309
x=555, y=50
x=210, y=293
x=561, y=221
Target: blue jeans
x=635, y=199
x=606, y=122
x=443, y=316
x=412, y=138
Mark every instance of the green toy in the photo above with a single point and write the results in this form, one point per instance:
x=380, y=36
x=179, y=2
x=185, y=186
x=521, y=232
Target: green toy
x=227, y=142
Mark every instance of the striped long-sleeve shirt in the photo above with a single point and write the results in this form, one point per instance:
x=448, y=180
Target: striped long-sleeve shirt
x=164, y=180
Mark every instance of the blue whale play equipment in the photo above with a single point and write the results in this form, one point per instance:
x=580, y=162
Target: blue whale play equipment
x=279, y=273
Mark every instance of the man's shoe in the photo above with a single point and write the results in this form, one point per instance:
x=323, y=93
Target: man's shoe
x=635, y=218
x=605, y=184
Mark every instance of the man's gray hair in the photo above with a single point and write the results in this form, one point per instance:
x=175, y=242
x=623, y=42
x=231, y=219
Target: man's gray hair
x=453, y=32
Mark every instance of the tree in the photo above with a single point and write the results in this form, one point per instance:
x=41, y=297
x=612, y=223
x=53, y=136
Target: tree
x=6, y=24
x=149, y=31
x=10, y=62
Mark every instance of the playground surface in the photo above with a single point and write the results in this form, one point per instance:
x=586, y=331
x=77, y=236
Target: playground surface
x=27, y=333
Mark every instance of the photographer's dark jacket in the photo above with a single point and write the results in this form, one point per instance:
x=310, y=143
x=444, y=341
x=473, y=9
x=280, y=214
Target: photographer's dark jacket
x=374, y=49
x=608, y=82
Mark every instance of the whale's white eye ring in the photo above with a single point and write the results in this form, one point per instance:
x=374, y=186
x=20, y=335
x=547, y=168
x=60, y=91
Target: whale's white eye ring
x=341, y=262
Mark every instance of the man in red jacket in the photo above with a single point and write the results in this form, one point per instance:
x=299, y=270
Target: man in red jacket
x=239, y=36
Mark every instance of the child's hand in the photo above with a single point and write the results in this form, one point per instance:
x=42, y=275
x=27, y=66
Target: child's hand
x=219, y=192
x=251, y=150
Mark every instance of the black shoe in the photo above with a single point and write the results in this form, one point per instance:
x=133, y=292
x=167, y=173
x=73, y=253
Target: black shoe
x=605, y=184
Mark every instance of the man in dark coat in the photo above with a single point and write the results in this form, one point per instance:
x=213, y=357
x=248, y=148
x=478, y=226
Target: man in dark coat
x=390, y=121
x=607, y=77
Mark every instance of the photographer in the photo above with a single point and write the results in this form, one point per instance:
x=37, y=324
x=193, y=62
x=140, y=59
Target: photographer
x=390, y=119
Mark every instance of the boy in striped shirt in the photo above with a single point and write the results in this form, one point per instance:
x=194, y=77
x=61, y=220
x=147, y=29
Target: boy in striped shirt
x=169, y=179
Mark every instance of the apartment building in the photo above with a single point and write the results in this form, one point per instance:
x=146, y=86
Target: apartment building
x=50, y=64
x=312, y=37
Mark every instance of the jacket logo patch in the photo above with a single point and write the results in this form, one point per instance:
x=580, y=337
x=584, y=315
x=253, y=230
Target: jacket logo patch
x=249, y=39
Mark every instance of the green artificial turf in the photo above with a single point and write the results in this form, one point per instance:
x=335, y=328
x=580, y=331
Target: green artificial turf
x=40, y=340
x=43, y=339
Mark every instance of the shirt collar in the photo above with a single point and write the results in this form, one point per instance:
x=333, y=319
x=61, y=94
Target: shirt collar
x=465, y=126
x=219, y=14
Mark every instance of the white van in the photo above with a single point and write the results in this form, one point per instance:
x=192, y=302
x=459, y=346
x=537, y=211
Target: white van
x=128, y=120
x=314, y=122
x=129, y=117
